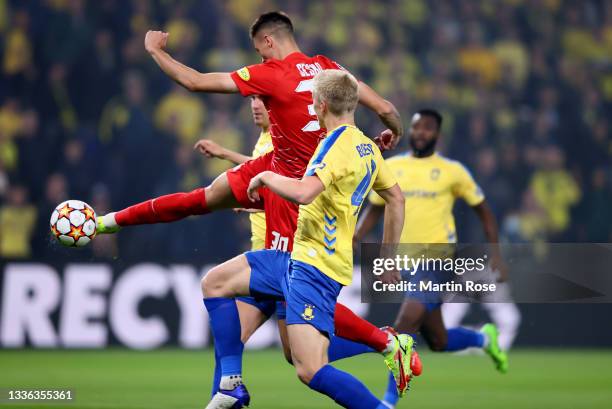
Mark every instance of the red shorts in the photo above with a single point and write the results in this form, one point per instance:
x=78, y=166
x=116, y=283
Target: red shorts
x=281, y=215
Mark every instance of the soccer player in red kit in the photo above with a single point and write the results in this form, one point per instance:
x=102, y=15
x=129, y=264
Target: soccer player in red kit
x=283, y=80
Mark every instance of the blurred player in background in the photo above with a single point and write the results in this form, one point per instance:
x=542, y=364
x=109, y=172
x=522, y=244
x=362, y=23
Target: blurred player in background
x=284, y=82
x=431, y=183
x=505, y=315
x=344, y=168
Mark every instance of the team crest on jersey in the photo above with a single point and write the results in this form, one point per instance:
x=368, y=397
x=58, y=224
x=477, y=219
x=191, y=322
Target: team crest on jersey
x=308, y=313
x=244, y=73
x=435, y=174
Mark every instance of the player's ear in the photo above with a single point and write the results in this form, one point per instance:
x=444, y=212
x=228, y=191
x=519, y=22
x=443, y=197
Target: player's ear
x=269, y=41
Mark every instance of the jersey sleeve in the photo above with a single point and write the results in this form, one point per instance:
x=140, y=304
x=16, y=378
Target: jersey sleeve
x=328, y=163
x=465, y=187
x=384, y=178
x=257, y=79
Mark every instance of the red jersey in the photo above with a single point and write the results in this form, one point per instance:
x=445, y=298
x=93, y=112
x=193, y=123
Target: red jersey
x=286, y=89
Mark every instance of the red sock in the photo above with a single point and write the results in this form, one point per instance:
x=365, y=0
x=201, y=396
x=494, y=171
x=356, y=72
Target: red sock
x=164, y=209
x=353, y=327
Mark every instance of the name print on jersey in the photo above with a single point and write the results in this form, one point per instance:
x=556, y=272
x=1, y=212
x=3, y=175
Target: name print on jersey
x=309, y=70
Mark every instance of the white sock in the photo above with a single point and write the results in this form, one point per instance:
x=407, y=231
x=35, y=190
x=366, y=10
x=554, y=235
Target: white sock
x=390, y=344
x=230, y=382
x=109, y=220
x=485, y=342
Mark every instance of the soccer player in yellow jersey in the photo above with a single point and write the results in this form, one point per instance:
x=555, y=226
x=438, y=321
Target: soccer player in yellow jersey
x=344, y=168
x=254, y=312
x=431, y=183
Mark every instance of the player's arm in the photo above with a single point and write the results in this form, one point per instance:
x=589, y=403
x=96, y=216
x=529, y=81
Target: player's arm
x=393, y=225
x=387, y=113
x=212, y=149
x=221, y=82
x=489, y=224
x=300, y=191
x=370, y=218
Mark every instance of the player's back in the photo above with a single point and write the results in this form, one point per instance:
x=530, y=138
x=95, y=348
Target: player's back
x=286, y=89
x=349, y=164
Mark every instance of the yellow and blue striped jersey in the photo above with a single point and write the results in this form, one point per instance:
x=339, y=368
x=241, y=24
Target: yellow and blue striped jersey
x=431, y=185
x=258, y=220
x=349, y=165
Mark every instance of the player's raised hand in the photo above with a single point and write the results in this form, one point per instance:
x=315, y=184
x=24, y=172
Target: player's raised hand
x=209, y=149
x=386, y=140
x=155, y=40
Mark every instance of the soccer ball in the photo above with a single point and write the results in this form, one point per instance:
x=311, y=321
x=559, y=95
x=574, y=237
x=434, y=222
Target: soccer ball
x=73, y=223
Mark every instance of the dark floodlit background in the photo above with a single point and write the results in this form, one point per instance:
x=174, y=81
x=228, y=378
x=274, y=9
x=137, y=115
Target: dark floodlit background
x=525, y=88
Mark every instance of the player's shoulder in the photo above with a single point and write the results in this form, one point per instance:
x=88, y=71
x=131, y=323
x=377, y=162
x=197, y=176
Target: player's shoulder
x=399, y=159
x=452, y=164
x=327, y=62
x=265, y=65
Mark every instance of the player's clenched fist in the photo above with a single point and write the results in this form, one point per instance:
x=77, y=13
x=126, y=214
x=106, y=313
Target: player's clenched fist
x=155, y=40
x=210, y=149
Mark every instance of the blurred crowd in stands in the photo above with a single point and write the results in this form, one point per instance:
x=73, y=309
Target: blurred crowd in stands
x=525, y=87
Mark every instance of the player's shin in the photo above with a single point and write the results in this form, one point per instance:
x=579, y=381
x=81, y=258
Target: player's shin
x=164, y=209
x=354, y=328
x=340, y=348
x=344, y=389
x=462, y=338
x=225, y=326
x=217, y=374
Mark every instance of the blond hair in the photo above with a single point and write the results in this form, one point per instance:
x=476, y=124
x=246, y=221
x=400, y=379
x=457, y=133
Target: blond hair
x=339, y=89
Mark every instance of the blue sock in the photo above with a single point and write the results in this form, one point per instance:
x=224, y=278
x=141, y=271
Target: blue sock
x=344, y=389
x=461, y=338
x=217, y=375
x=225, y=325
x=391, y=395
x=340, y=348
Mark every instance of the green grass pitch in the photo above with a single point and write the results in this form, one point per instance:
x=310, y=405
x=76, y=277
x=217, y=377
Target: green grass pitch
x=177, y=379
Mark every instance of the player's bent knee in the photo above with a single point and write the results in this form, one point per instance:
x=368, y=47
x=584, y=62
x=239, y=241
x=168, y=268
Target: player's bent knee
x=213, y=284
x=306, y=372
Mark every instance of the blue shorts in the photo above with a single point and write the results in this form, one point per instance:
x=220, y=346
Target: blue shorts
x=268, y=269
x=311, y=297
x=267, y=307
x=430, y=299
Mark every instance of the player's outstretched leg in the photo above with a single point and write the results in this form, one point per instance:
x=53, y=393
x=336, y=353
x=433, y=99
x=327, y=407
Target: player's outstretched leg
x=172, y=207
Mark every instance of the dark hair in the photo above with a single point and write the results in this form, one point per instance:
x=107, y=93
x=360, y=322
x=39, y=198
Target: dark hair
x=432, y=113
x=276, y=19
